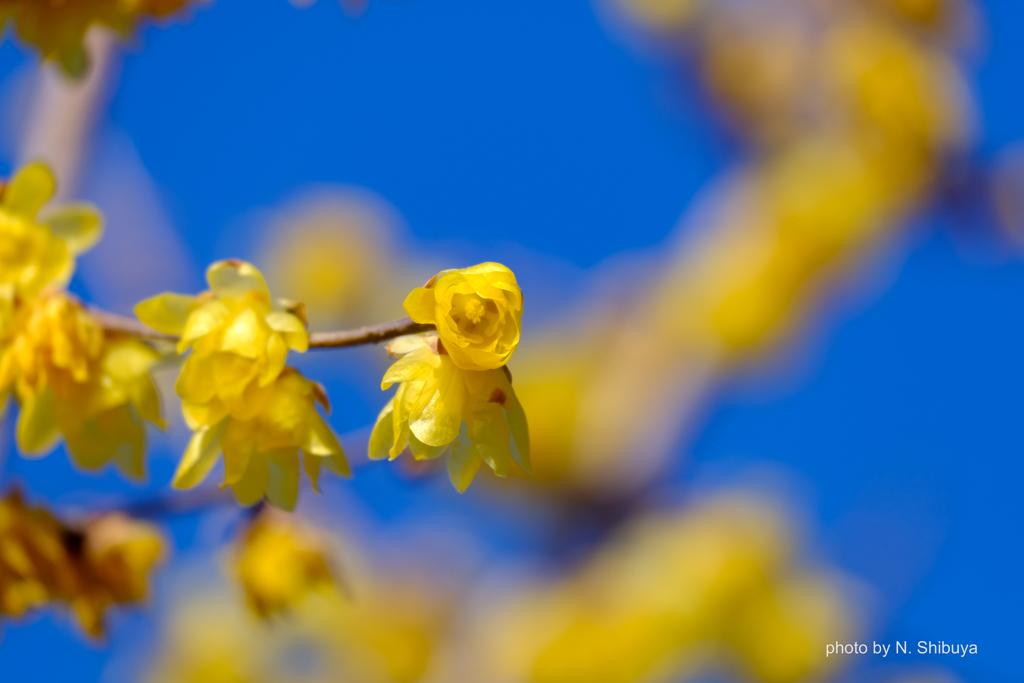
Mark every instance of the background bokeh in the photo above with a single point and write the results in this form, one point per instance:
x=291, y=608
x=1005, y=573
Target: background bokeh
x=375, y=147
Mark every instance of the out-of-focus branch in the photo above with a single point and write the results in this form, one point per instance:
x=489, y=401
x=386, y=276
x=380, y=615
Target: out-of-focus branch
x=372, y=334
x=65, y=112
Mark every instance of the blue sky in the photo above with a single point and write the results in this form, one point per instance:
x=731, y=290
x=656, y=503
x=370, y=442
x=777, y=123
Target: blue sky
x=525, y=127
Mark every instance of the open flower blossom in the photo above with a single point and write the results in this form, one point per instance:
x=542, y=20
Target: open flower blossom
x=279, y=564
x=237, y=394
x=58, y=29
x=477, y=311
x=39, y=250
x=440, y=407
x=72, y=378
x=104, y=562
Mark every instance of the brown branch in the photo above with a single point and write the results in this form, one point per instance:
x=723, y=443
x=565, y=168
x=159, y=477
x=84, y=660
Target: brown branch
x=372, y=334
x=112, y=322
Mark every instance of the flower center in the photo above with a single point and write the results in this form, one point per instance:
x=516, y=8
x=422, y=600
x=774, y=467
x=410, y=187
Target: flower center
x=474, y=310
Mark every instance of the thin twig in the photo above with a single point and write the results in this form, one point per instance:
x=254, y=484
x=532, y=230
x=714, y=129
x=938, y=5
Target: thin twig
x=112, y=322
x=177, y=503
x=372, y=334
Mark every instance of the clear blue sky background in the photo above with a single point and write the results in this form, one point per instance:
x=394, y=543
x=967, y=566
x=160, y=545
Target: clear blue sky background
x=486, y=123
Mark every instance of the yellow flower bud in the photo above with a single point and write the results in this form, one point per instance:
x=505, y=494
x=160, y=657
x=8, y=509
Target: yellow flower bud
x=35, y=253
x=441, y=407
x=477, y=311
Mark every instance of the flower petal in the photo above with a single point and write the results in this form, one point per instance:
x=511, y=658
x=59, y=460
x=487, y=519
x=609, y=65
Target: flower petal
x=489, y=431
x=422, y=451
x=516, y=418
x=311, y=463
x=291, y=327
x=233, y=278
x=79, y=225
x=201, y=321
x=253, y=484
x=37, y=429
x=463, y=462
x=200, y=456
x=283, y=481
x=420, y=305
x=167, y=312
x=436, y=417
x=29, y=189
x=417, y=366
x=383, y=435
x=320, y=439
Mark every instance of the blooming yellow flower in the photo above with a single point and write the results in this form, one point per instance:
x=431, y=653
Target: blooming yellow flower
x=73, y=379
x=477, y=312
x=240, y=341
x=38, y=252
x=279, y=564
x=440, y=405
x=57, y=29
x=237, y=395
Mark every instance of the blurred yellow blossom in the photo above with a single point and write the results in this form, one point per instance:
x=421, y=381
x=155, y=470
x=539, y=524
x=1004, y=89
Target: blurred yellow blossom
x=237, y=394
x=672, y=594
x=440, y=405
x=73, y=379
x=388, y=632
x=280, y=563
x=477, y=311
x=57, y=29
x=36, y=251
x=89, y=568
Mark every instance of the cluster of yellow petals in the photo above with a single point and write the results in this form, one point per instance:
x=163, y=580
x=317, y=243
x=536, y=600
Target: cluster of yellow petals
x=73, y=379
x=103, y=563
x=473, y=415
x=280, y=564
x=237, y=394
x=477, y=312
x=57, y=27
x=69, y=376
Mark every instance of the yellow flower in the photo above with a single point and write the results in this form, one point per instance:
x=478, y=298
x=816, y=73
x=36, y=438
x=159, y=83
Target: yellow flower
x=89, y=568
x=73, y=379
x=439, y=404
x=35, y=253
x=279, y=564
x=240, y=341
x=57, y=29
x=261, y=452
x=477, y=312
x=237, y=395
